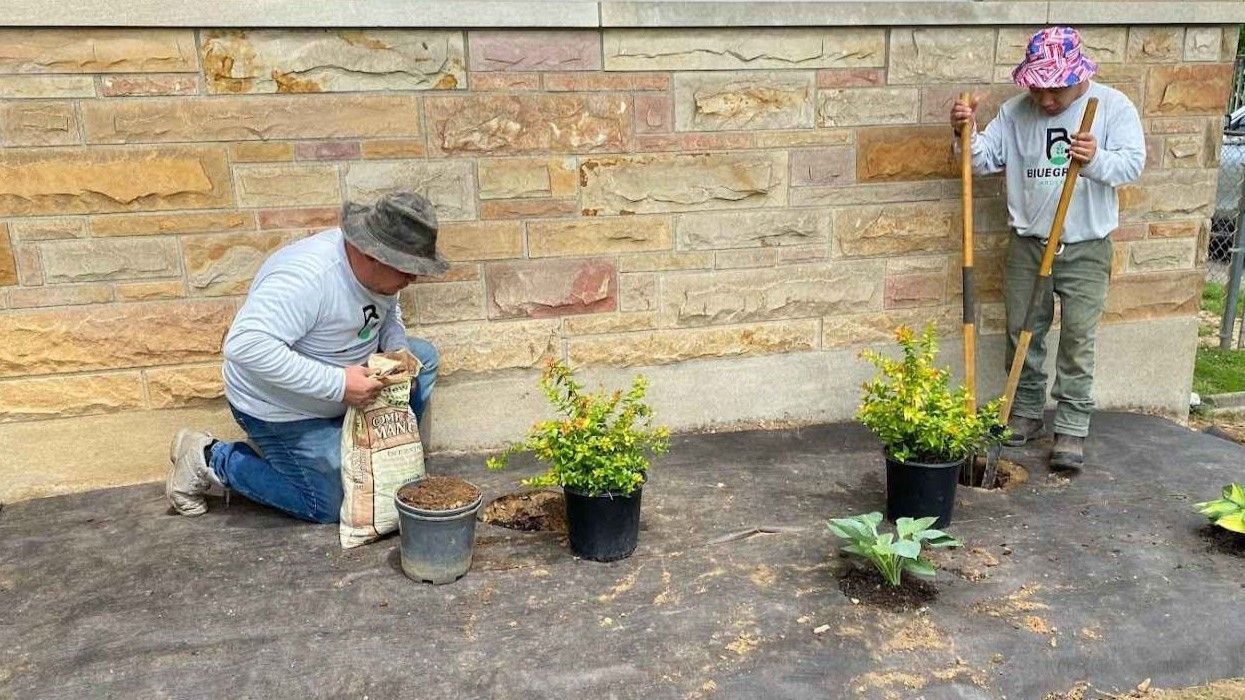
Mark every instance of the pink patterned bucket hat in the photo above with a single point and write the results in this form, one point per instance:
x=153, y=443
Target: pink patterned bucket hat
x=1053, y=59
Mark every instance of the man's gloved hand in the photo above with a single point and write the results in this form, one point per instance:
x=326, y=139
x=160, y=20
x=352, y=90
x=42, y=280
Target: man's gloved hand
x=361, y=387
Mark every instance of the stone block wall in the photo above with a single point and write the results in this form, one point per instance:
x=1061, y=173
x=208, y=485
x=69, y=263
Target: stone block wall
x=623, y=198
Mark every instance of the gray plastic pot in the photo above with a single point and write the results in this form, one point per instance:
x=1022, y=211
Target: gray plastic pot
x=435, y=545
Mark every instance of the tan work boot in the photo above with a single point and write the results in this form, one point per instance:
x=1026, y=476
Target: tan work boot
x=190, y=477
x=1023, y=430
x=1068, y=452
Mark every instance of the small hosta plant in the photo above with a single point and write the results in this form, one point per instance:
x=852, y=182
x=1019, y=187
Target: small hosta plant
x=912, y=408
x=892, y=553
x=1228, y=512
x=600, y=444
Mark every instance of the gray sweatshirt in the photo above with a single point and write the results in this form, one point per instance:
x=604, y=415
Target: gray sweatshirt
x=1032, y=147
x=305, y=318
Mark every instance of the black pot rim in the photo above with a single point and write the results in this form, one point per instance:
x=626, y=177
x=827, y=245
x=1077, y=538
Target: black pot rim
x=604, y=494
x=927, y=465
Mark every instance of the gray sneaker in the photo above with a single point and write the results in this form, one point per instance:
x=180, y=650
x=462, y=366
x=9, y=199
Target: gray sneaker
x=1068, y=452
x=189, y=476
x=1023, y=430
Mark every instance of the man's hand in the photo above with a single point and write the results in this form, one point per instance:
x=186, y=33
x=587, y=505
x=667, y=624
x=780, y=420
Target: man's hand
x=1084, y=147
x=962, y=113
x=361, y=387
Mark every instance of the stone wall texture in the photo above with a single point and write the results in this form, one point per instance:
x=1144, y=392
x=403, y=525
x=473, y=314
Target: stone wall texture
x=617, y=197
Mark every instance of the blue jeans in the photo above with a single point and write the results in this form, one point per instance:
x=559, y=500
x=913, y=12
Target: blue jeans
x=298, y=467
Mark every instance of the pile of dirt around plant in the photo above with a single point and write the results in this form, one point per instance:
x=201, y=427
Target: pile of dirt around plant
x=438, y=493
x=1223, y=541
x=532, y=511
x=1008, y=475
x=868, y=587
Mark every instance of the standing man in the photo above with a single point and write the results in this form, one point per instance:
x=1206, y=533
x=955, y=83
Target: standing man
x=295, y=355
x=1033, y=139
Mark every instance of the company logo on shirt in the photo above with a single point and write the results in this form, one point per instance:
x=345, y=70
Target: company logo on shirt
x=371, y=320
x=1058, y=154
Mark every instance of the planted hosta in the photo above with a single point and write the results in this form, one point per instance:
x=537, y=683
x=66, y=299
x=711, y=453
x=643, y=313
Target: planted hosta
x=892, y=553
x=598, y=451
x=1228, y=511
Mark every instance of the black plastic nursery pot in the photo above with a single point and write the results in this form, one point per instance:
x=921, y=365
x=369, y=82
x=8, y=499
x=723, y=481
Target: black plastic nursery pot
x=604, y=527
x=918, y=490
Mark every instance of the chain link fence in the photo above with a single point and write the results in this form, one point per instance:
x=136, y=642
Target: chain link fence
x=1225, y=253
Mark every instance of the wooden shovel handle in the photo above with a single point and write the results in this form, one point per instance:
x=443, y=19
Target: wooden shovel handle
x=966, y=200
x=1065, y=196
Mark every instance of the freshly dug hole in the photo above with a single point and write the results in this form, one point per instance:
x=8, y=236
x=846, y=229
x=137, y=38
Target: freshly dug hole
x=531, y=511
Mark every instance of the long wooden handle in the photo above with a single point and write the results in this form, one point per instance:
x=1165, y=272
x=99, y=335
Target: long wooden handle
x=1048, y=261
x=966, y=200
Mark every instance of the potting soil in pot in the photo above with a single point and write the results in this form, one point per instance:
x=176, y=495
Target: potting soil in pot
x=438, y=493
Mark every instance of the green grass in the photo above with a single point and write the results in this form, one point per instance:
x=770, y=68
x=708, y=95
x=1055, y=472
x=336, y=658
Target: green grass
x=1217, y=371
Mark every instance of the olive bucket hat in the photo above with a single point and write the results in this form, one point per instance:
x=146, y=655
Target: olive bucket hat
x=399, y=230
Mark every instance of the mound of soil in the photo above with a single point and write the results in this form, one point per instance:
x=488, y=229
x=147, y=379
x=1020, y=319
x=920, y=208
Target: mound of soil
x=870, y=588
x=532, y=511
x=438, y=493
x=1008, y=474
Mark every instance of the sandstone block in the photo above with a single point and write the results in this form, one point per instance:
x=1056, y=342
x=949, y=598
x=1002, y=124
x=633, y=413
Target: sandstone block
x=59, y=295
x=673, y=183
x=1153, y=295
x=654, y=262
x=1184, y=152
x=251, y=118
x=82, y=339
x=29, y=264
x=150, y=291
x=528, y=208
x=879, y=327
x=941, y=55
x=792, y=291
x=328, y=150
x=484, y=82
x=77, y=180
x=47, y=228
x=638, y=292
x=597, y=81
x=60, y=397
x=1103, y=44
x=224, y=264
x=753, y=229
x=129, y=50
x=879, y=193
x=176, y=387
x=286, y=185
x=535, y=50
x=261, y=151
x=1202, y=43
x=908, y=291
x=744, y=258
x=823, y=167
x=445, y=302
x=546, y=288
x=695, y=142
x=39, y=124
x=1188, y=89
x=676, y=345
x=483, y=240
x=149, y=85
x=1129, y=232
x=449, y=185
x=1155, y=44
x=109, y=259
x=851, y=77
x=458, y=272
x=904, y=153
x=598, y=324
x=867, y=106
x=1167, y=195
x=896, y=229
x=733, y=49
x=936, y=102
x=743, y=100
x=156, y=224
x=394, y=148
x=1150, y=256
x=599, y=236
x=805, y=138
x=796, y=255
x=487, y=347
x=529, y=123
x=506, y=178
x=654, y=114
x=1171, y=229
x=28, y=87
x=314, y=218
x=332, y=60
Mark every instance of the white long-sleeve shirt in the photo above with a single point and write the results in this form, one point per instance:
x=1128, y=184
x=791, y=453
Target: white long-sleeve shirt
x=1033, y=149
x=306, y=317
